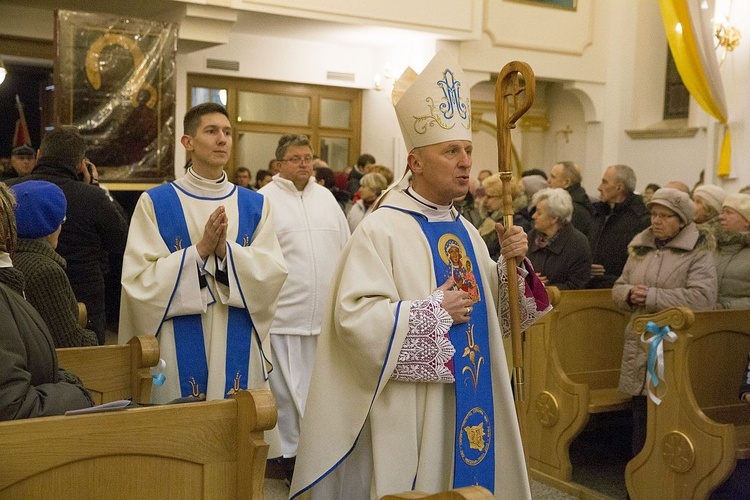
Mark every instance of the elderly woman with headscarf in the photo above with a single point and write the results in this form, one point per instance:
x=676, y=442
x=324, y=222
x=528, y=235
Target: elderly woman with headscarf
x=559, y=252
x=708, y=202
x=733, y=253
x=31, y=383
x=670, y=264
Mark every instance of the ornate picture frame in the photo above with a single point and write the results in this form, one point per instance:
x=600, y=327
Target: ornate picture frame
x=115, y=83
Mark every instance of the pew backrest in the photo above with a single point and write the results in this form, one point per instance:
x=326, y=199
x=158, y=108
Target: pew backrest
x=588, y=332
x=211, y=449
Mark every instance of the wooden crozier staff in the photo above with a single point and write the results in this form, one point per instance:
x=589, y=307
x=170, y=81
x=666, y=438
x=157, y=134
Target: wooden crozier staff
x=509, y=88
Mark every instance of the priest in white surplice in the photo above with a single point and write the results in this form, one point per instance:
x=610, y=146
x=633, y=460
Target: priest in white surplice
x=410, y=388
x=202, y=271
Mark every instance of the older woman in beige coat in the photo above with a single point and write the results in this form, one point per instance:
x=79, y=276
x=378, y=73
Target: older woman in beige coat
x=670, y=264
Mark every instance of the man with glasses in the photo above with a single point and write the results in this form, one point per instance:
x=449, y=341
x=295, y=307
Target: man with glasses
x=312, y=231
x=202, y=270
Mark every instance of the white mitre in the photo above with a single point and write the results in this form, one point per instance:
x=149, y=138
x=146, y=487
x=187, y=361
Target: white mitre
x=432, y=107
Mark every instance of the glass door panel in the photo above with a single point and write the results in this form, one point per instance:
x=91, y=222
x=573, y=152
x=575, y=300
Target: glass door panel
x=335, y=152
x=199, y=95
x=275, y=109
x=335, y=113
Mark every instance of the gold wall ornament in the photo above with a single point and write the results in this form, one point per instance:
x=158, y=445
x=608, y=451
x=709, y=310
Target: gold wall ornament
x=727, y=35
x=539, y=123
x=678, y=451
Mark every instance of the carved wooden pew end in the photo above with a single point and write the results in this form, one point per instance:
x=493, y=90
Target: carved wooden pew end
x=573, y=357
x=701, y=428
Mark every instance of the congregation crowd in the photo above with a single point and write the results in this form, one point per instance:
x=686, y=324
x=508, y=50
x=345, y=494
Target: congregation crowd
x=340, y=288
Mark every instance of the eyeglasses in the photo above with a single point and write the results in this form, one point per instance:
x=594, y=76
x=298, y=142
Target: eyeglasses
x=298, y=160
x=662, y=216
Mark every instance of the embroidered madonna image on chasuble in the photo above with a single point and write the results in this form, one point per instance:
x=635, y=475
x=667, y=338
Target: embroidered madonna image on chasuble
x=115, y=82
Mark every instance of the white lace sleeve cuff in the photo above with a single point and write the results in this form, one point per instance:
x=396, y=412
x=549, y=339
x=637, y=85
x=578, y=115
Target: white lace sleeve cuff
x=427, y=348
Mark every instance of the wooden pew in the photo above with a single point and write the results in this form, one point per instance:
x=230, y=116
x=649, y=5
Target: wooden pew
x=211, y=449
x=701, y=428
x=467, y=493
x=114, y=372
x=572, y=358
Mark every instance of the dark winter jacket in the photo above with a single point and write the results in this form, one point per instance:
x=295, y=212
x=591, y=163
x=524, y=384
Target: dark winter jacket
x=31, y=383
x=612, y=231
x=565, y=261
x=583, y=209
x=93, y=227
x=48, y=290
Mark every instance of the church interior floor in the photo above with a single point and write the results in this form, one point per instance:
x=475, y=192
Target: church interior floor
x=599, y=456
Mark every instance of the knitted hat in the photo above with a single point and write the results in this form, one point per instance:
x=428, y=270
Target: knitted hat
x=675, y=200
x=739, y=202
x=40, y=208
x=711, y=194
x=433, y=107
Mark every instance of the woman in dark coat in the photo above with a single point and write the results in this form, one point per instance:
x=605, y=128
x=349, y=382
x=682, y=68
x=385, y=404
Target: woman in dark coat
x=31, y=383
x=559, y=252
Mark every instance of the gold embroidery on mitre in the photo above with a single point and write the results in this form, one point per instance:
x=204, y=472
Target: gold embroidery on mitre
x=451, y=107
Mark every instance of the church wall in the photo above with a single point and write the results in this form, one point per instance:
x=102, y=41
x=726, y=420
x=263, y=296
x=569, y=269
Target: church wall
x=451, y=18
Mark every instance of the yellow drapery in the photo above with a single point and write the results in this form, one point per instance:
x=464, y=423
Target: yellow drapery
x=688, y=61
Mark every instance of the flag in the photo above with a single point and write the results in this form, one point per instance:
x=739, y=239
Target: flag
x=21, y=134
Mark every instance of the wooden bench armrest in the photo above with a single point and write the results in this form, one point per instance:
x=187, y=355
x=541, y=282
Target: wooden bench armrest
x=83, y=315
x=113, y=372
x=677, y=318
x=553, y=293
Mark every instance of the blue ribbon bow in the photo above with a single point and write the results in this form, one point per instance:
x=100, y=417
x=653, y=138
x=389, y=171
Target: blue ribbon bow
x=655, y=342
x=655, y=364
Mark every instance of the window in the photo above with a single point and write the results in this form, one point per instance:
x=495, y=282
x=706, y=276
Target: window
x=676, y=95
x=262, y=111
